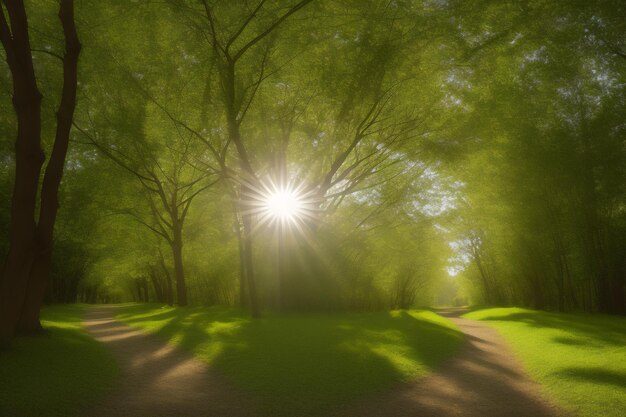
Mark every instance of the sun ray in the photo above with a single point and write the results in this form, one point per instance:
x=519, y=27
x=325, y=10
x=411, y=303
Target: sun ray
x=285, y=204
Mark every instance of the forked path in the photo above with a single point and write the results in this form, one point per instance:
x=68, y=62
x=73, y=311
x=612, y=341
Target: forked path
x=157, y=379
x=483, y=380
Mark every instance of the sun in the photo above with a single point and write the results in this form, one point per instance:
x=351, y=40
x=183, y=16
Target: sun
x=284, y=204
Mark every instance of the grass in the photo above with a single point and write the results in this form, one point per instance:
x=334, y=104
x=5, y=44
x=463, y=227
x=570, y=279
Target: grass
x=55, y=374
x=305, y=364
x=579, y=359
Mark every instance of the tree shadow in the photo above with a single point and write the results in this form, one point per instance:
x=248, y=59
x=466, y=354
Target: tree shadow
x=480, y=381
x=601, y=328
x=158, y=379
x=572, y=341
x=65, y=367
x=596, y=376
x=307, y=364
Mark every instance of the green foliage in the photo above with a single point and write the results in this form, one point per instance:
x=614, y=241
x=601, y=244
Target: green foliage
x=306, y=364
x=483, y=137
x=542, y=222
x=577, y=358
x=65, y=367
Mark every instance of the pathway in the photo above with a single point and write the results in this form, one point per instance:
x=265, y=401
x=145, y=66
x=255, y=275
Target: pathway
x=157, y=379
x=483, y=380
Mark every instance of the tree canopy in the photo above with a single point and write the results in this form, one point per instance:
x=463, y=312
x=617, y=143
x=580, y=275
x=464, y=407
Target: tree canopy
x=447, y=151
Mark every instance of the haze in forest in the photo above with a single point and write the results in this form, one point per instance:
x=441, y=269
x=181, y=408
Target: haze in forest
x=302, y=157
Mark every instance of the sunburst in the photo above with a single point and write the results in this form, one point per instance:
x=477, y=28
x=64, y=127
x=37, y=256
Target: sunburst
x=283, y=203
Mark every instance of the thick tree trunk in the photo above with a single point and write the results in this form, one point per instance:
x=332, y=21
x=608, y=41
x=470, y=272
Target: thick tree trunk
x=250, y=177
x=29, y=320
x=28, y=161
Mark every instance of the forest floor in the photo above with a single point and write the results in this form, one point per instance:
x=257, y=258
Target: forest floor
x=59, y=373
x=151, y=360
x=305, y=364
x=158, y=379
x=484, y=379
x=579, y=359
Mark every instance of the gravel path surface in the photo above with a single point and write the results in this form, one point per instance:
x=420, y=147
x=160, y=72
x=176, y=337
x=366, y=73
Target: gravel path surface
x=158, y=380
x=483, y=380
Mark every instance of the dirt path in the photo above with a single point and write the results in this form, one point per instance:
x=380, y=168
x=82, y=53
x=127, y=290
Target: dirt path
x=483, y=380
x=157, y=379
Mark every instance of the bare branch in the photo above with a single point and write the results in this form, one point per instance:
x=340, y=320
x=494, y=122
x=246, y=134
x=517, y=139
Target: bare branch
x=270, y=29
x=255, y=86
x=157, y=214
x=139, y=220
x=365, y=123
x=209, y=15
x=186, y=203
x=6, y=38
x=244, y=25
x=45, y=51
x=107, y=152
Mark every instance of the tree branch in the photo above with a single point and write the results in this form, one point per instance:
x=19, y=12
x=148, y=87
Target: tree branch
x=244, y=25
x=270, y=29
x=45, y=51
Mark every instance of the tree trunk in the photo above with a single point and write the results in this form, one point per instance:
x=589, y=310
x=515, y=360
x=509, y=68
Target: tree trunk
x=483, y=274
x=537, y=290
x=249, y=266
x=28, y=161
x=179, y=271
x=243, y=294
x=168, y=281
x=281, y=257
x=146, y=290
x=157, y=284
x=233, y=108
x=29, y=320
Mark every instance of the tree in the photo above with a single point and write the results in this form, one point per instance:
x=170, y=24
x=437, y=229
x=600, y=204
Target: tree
x=547, y=222
x=162, y=162
x=26, y=268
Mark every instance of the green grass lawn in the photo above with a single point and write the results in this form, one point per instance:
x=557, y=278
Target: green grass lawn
x=580, y=359
x=55, y=374
x=305, y=364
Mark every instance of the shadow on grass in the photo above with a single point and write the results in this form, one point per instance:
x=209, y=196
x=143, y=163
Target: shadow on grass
x=604, y=329
x=572, y=341
x=57, y=373
x=596, y=376
x=306, y=364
